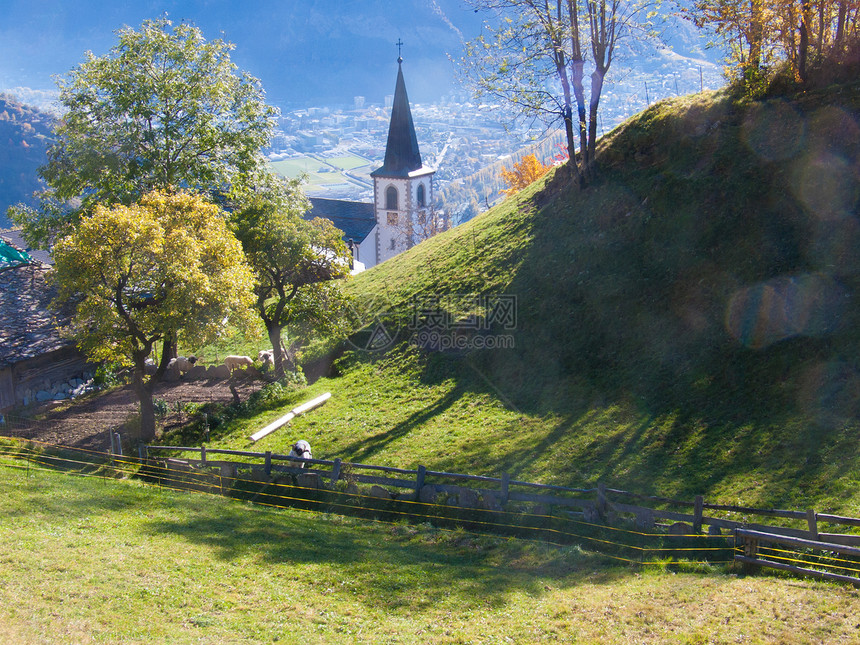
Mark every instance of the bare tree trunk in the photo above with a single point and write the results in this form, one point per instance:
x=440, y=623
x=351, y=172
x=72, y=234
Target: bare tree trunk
x=756, y=34
x=840, y=25
x=274, y=330
x=577, y=69
x=596, y=89
x=577, y=73
x=803, y=44
x=144, y=390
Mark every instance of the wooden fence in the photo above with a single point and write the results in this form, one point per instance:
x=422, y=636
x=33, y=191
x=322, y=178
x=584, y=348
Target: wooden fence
x=599, y=504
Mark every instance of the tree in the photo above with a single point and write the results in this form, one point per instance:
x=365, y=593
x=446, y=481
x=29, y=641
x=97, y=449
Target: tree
x=520, y=59
x=761, y=33
x=164, y=108
x=528, y=170
x=745, y=26
x=166, y=266
x=534, y=60
x=296, y=263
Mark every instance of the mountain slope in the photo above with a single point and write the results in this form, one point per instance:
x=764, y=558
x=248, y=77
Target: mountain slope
x=24, y=139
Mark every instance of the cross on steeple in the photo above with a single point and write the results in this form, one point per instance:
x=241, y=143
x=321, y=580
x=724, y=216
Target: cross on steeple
x=399, y=44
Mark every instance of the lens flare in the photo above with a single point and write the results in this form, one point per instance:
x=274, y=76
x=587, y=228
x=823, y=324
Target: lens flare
x=765, y=313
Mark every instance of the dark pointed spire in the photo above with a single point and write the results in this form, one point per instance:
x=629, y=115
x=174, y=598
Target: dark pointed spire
x=401, y=152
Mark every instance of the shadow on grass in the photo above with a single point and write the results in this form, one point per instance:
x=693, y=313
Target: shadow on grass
x=391, y=565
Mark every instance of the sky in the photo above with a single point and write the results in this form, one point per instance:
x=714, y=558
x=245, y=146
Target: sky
x=305, y=52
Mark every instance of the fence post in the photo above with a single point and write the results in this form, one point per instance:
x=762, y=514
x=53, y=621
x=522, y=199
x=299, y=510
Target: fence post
x=203, y=455
x=813, y=524
x=750, y=551
x=419, y=480
x=601, y=500
x=268, y=466
x=119, y=444
x=506, y=479
x=141, y=451
x=698, y=506
x=335, y=471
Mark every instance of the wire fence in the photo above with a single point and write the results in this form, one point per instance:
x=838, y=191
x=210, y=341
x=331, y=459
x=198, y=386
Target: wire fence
x=618, y=543
x=622, y=542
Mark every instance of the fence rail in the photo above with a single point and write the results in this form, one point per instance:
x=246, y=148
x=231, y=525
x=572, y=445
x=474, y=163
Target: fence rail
x=752, y=544
x=601, y=503
x=561, y=514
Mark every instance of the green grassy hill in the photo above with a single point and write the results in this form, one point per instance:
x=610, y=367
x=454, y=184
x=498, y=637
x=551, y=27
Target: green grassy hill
x=684, y=325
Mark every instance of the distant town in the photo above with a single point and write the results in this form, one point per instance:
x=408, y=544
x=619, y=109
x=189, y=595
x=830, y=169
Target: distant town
x=336, y=149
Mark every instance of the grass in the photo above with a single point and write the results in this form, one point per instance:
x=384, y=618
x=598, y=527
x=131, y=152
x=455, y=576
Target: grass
x=296, y=167
x=104, y=561
x=664, y=340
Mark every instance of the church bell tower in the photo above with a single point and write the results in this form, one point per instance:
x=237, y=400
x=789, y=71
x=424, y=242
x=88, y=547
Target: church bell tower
x=402, y=186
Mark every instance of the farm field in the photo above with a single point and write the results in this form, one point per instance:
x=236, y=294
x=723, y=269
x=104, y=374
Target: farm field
x=293, y=168
x=91, y=560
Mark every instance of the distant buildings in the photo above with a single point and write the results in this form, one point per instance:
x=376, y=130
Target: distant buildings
x=402, y=190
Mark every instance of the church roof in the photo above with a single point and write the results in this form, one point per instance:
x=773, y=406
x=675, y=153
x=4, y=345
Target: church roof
x=355, y=219
x=402, y=157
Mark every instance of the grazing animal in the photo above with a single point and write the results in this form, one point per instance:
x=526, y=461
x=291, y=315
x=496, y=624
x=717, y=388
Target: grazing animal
x=266, y=356
x=238, y=361
x=302, y=450
x=183, y=364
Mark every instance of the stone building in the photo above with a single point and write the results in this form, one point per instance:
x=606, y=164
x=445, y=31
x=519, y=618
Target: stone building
x=36, y=363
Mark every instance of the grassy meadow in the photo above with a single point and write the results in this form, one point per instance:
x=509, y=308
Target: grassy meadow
x=92, y=560
x=687, y=324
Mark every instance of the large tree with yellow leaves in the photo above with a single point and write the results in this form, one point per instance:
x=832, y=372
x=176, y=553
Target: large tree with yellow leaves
x=164, y=267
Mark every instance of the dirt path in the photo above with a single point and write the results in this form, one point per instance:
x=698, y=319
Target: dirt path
x=87, y=424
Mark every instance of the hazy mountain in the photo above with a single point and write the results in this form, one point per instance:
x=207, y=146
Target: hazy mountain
x=24, y=138
x=313, y=52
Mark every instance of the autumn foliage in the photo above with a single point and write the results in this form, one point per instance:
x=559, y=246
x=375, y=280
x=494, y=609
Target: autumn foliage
x=528, y=170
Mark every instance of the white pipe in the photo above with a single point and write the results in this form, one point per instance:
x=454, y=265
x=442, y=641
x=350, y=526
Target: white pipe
x=289, y=416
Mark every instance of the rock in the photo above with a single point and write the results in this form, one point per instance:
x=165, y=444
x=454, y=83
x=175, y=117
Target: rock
x=680, y=528
x=590, y=514
x=309, y=480
x=197, y=373
x=42, y=395
x=218, y=371
x=427, y=494
x=490, y=502
x=467, y=498
x=380, y=492
x=644, y=519
x=171, y=375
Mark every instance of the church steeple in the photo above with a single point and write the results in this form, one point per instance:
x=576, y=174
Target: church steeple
x=402, y=155
x=403, y=186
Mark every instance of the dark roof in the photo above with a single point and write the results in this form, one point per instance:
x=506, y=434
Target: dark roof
x=402, y=156
x=27, y=325
x=355, y=219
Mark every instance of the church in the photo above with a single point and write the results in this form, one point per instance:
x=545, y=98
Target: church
x=402, y=193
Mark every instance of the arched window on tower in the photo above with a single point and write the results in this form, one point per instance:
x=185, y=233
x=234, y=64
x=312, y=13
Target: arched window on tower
x=421, y=197
x=391, y=198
